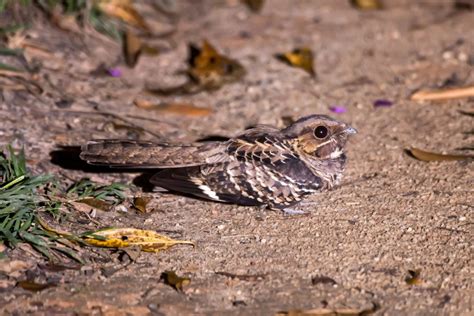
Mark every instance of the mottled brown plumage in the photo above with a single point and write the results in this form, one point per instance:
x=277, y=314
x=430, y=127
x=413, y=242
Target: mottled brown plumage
x=261, y=166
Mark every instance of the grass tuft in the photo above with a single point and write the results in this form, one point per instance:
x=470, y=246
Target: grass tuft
x=23, y=201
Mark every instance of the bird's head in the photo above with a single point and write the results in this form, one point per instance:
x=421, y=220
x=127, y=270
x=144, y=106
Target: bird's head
x=320, y=141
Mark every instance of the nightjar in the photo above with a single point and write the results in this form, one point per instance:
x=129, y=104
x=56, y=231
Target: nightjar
x=263, y=166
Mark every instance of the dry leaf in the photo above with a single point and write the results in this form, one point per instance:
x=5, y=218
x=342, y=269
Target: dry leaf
x=208, y=70
x=254, y=5
x=53, y=230
x=367, y=4
x=124, y=10
x=413, y=277
x=33, y=286
x=132, y=48
x=172, y=279
x=331, y=312
x=147, y=240
x=322, y=279
x=299, y=58
x=445, y=94
x=96, y=203
x=173, y=108
x=211, y=69
x=141, y=202
x=429, y=156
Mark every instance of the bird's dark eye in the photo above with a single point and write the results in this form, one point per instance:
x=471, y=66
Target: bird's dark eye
x=321, y=132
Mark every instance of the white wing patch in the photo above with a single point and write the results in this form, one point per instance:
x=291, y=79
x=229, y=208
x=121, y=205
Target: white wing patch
x=207, y=191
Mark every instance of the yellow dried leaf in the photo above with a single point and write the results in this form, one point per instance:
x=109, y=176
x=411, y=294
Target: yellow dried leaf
x=172, y=279
x=367, y=4
x=53, y=230
x=141, y=202
x=429, y=156
x=211, y=69
x=124, y=10
x=147, y=240
x=299, y=58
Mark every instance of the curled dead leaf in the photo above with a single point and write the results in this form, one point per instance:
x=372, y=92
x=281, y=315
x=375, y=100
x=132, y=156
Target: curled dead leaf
x=413, y=277
x=177, y=282
x=301, y=57
x=147, y=240
x=429, y=156
x=446, y=94
x=141, y=202
x=132, y=48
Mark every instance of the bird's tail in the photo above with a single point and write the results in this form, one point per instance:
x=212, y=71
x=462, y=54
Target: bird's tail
x=141, y=154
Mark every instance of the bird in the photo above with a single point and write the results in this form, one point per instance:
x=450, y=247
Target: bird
x=262, y=166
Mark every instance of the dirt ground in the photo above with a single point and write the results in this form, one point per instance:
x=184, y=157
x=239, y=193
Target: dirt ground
x=391, y=214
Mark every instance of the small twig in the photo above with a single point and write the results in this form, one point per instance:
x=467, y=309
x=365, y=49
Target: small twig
x=451, y=229
x=456, y=93
x=115, y=116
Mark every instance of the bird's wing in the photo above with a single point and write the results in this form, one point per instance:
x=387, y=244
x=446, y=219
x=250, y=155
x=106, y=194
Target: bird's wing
x=133, y=154
x=262, y=144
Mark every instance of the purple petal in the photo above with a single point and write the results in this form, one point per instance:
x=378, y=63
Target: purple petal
x=382, y=103
x=115, y=72
x=337, y=109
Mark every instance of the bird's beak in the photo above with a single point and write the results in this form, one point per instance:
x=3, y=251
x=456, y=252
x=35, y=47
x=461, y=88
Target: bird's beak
x=350, y=130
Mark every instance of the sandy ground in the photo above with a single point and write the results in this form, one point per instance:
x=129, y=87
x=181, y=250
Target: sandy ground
x=391, y=214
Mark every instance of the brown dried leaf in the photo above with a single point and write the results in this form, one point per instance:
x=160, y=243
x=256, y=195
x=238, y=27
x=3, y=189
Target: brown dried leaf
x=147, y=240
x=173, y=108
x=429, y=156
x=141, y=202
x=413, y=277
x=254, y=5
x=33, y=286
x=300, y=58
x=177, y=282
x=96, y=203
x=132, y=48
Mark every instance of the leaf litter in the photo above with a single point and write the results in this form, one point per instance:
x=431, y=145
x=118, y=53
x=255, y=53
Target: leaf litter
x=28, y=203
x=177, y=282
x=208, y=71
x=300, y=57
x=431, y=156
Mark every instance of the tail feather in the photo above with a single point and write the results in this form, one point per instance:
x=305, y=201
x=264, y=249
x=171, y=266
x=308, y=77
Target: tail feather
x=127, y=153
